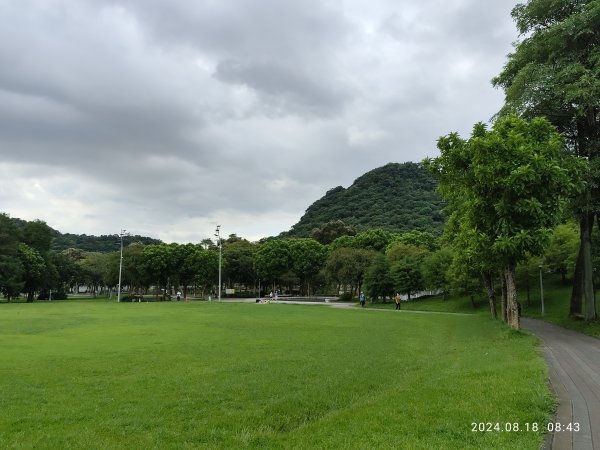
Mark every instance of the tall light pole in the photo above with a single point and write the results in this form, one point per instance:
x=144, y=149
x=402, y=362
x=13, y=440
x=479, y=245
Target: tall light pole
x=121, y=234
x=542, y=289
x=218, y=236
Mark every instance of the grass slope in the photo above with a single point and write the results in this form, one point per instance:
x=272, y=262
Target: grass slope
x=94, y=374
x=557, y=296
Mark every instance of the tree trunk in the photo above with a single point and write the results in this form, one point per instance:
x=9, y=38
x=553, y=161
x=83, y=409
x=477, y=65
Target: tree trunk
x=491, y=293
x=503, y=302
x=577, y=291
x=512, y=307
x=528, y=287
x=589, y=309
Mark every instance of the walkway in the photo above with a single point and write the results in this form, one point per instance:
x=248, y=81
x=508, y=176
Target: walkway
x=574, y=362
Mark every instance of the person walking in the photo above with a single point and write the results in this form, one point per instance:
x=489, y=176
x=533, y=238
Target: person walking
x=362, y=299
x=398, y=300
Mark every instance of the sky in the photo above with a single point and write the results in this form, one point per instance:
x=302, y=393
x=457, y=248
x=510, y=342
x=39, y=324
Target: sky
x=167, y=118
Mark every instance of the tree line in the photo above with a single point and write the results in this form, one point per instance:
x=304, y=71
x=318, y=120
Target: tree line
x=337, y=261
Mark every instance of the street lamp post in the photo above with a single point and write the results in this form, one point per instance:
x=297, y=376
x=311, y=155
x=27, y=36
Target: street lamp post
x=218, y=236
x=121, y=234
x=542, y=290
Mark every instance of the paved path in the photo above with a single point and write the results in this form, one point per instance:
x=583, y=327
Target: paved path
x=574, y=361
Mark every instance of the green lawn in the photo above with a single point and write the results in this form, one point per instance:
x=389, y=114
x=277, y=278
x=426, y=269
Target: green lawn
x=97, y=374
x=557, y=295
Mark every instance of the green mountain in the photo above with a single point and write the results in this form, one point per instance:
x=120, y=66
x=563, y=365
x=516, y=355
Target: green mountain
x=395, y=197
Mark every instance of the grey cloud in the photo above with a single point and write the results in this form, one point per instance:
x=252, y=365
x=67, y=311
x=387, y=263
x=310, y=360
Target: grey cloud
x=286, y=89
x=145, y=110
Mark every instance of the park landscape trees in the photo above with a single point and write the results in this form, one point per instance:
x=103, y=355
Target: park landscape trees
x=554, y=72
x=506, y=186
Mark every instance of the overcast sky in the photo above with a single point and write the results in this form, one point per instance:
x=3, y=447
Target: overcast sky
x=169, y=117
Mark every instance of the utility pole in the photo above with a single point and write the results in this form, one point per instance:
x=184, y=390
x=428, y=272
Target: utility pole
x=219, y=243
x=121, y=234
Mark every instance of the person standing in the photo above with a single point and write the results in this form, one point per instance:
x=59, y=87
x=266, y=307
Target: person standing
x=362, y=299
x=178, y=295
x=398, y=300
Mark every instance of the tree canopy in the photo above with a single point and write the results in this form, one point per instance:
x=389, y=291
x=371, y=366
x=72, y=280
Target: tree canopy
x=506, y=186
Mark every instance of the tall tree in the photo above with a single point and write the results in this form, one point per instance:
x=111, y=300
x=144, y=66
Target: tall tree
x=514, y=180
x=435, y=270
x=347, y=266
x=239, y=262
x=38, y=235
x=34, y=267
x=307, y=258
x=272, y=260
x=11, y=267
x=554, y=72
x=378, y=279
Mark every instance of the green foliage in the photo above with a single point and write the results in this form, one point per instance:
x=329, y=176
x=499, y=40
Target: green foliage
x=407, y=277
x=34, y=267
x=103, y=244
x=561, y=254
x=158, y=263
x=239, y=262
x=423, y=239
x=348, y=265
x=376, y=239
x=331, y=231
x=554, y=72
x=95, y=268
x=343, y=242
x=464, y=278
x=399, y=251
x=378, y=279
x=507, y=184
x=68, y=271
x=38, y=236
x=506, y=189
x=554, y=69
x=11, y=267
x=435, y=269
x=307, y=256
x=395, y=197
x=272, y=260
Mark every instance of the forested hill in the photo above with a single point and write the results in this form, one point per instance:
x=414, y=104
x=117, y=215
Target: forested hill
x=104, y=243
x=395, y=197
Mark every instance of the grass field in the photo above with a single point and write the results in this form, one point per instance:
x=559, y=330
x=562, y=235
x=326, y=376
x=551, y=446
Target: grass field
x=97, y=374
x=557, y=296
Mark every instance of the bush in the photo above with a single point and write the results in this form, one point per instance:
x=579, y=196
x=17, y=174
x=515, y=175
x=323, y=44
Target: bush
x=56, y=295
x=346, y=297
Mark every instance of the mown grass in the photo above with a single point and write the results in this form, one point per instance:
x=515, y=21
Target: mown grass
x=557, y=296
x=97, y=374
x=450, y=304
